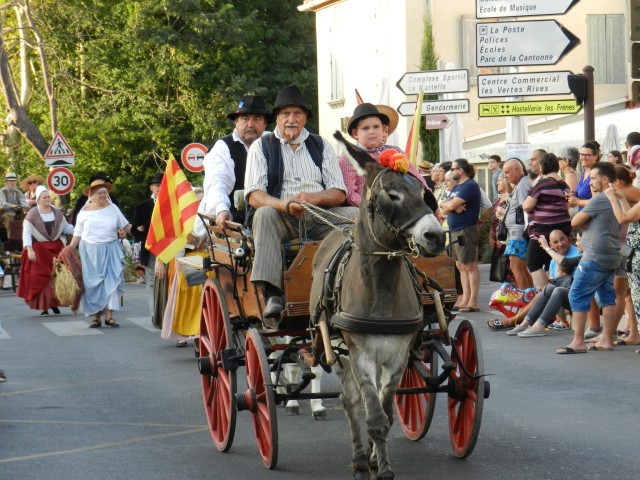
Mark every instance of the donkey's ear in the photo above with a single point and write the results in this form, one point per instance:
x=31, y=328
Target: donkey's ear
x=357, y=157
x=430, y=199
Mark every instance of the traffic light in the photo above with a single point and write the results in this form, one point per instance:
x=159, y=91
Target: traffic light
x=578, y=86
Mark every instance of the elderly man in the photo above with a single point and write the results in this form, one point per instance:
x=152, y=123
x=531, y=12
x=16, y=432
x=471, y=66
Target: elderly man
x=601, y=254
x=12, y=202
x=225, y=163
x=514, y=219
x=463, y=210
x=286, y=170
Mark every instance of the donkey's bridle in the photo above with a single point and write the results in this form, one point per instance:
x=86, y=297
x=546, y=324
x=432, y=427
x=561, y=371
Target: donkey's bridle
x=376, y=203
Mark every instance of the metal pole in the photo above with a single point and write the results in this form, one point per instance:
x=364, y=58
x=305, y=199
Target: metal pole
x=440, y=66
x=589, y=106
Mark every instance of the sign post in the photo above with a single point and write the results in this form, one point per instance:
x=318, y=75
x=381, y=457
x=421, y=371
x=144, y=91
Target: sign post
x=522, y=8
x=433, y=82
x=539, y=107
x=524, y=84
x=435, y=107
x=61, y=180
x=193, y=157
x=59, y=153
x=506, y=44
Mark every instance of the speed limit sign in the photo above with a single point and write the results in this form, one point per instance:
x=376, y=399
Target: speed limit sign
x=61, y=180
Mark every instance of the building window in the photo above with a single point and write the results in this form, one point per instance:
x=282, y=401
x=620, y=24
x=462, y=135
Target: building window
x=606, y=47
x=337, y=96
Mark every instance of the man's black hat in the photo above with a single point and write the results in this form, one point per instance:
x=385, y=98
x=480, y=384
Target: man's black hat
x=100, y=176
x=157, y=178
x=251, y=104
x=365, y=110
x=291, y=95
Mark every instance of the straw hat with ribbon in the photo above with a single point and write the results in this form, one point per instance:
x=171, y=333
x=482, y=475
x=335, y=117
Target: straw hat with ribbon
x=96, y=185
x=31, y=178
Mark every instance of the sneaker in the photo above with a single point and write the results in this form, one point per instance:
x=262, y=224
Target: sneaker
x=558, y=326
x=529, y=333
x=590, y=333
x=518, y=329
x=3, y=377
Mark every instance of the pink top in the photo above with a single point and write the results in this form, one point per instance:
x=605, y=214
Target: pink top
x=354, y=183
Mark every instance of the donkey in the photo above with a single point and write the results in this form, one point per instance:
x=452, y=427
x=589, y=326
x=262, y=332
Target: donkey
x=366, y=289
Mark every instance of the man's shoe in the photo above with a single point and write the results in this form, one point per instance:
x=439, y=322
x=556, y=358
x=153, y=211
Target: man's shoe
x=274, y=307
x=590, y=333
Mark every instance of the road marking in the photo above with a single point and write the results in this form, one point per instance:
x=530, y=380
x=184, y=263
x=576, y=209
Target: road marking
x=74, y=328
x=3, y=334
x=104, y=445
x=71, y=385
x=144, y=322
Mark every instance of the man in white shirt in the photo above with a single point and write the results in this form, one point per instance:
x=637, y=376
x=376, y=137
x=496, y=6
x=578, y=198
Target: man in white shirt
x=225, y=163
x=285, y=170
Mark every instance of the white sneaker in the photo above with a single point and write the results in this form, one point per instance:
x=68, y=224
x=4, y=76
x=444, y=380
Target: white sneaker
x=592, y=333
x=517, y=330
x=530, y=332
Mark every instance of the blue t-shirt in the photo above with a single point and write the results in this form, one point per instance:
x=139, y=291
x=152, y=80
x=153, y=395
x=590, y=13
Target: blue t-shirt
x=553, y=266
x=469, y=191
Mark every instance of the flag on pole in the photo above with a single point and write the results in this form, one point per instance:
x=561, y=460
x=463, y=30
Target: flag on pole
x=174, y=214
x=414, y=134
x=358, y=98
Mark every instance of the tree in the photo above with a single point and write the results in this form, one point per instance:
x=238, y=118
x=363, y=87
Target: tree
x=137, y=80
x=429, y=61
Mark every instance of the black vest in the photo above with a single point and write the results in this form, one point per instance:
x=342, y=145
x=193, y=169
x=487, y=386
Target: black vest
x=271, y=149
x=239, y=157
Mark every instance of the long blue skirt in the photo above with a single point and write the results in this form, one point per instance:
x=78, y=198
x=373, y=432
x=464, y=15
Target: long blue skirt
x=102, y=275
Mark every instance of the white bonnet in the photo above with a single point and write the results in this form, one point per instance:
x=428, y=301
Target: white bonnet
x=40, y=189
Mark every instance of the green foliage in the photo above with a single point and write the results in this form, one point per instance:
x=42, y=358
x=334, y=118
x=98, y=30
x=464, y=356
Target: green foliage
x=429, y=61
x=138, y=80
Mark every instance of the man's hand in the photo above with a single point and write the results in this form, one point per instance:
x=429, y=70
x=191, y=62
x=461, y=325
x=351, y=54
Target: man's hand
x=543, y=242
x=222, y=217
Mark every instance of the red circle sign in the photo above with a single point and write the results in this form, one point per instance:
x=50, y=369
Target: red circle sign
x=193, y=156
x=61, y=180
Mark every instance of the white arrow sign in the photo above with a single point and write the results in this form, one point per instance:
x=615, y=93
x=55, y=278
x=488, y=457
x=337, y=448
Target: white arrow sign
x=436, y=107
x=434, y=82
x=523, y=84
x=522, y=8
x=533, y=42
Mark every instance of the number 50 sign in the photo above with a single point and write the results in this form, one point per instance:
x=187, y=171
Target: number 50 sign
x=61, y=180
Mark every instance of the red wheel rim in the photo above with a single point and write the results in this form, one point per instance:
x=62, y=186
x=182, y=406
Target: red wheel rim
x=466, y=398
x=219, y=386
x=263, y=416
x=415, y=411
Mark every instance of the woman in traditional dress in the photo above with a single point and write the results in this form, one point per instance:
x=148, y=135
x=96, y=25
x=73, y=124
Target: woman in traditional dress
x=99, y=227
x=41, y=231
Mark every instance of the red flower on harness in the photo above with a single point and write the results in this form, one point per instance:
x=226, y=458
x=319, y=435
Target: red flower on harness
x=394, y=160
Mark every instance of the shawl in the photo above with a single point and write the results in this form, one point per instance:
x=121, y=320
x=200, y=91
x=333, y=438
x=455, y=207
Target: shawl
x=39, y=230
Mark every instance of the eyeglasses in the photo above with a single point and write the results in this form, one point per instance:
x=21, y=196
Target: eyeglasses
x=32, y=182
x=456, y=168
x=587, y=155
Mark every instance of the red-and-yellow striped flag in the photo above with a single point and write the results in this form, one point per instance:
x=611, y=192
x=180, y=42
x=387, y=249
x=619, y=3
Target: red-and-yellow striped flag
x=173, y=215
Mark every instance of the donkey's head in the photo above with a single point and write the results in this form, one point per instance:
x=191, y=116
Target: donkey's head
x=399, y=210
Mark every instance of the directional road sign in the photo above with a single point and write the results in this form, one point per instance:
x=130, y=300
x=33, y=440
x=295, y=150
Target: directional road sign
x=523, y=84
x=522, y=8
x=540, y=107
x=61, y=180
x=193, y=156
x=434, y=82
x=59, y=154
x=435, y=107
x=533, y=42
x=436, y=122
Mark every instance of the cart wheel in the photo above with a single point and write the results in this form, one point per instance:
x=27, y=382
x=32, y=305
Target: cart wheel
x=260, y=399
x=218, y=384
x=415, y=411
x=466, y=394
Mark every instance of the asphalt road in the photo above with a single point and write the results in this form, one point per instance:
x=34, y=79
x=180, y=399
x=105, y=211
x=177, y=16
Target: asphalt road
x=124, y=404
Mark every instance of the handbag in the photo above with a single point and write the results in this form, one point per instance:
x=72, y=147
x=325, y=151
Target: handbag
x=498, y=270
x=626, y=257
x=501, y=231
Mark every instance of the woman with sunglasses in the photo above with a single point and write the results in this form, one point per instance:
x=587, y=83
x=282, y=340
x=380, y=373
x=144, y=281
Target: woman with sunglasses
x=29, y=185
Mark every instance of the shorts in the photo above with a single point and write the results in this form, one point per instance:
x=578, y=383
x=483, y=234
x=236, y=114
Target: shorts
x=469, y=252
x=537, y=258
x=517, y=248
x=589, y=279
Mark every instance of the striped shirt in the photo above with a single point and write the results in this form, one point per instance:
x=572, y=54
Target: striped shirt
x=551, y=211
x=300, y=173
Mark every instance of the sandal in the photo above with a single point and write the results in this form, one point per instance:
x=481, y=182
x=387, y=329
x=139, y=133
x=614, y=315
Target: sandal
x=111, y=322
x=96, y=323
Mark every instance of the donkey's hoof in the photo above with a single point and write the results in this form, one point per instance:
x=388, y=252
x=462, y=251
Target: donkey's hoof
x=291, y=411
x=361, y=475
x=320, y=414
